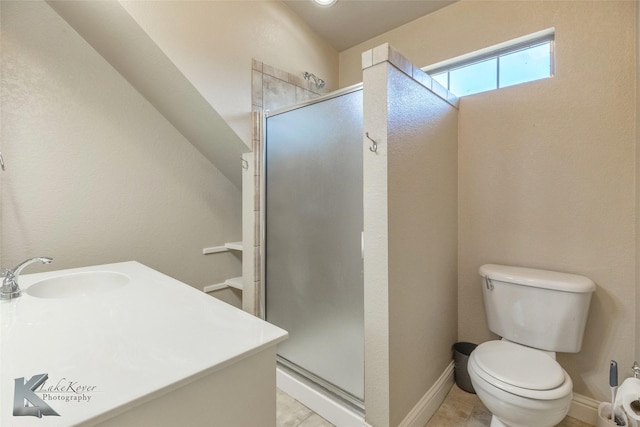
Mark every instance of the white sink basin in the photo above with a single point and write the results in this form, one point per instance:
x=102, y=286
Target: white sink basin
x=81, y=284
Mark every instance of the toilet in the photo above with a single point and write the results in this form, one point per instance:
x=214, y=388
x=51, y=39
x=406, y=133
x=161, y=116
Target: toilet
x=536, y=313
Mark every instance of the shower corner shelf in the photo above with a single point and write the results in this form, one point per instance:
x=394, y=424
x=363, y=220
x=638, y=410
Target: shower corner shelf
x=235, y=282
x=229, y=246
x=234, y=246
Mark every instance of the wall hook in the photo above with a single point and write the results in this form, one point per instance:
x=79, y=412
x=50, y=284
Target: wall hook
x=374, y=146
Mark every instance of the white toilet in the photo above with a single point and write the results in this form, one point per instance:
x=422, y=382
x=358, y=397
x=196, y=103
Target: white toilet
x=537, y=313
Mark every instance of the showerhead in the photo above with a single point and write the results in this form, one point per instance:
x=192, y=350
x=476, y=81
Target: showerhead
x=317, y=80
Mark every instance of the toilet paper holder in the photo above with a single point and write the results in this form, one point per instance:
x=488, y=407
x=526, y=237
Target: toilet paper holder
x=636, y=370
x=629, y=397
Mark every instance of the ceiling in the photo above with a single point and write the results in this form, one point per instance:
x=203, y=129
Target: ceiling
x=350, y=22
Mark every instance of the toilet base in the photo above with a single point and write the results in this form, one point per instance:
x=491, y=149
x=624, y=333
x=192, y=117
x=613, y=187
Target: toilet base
x=495, y=422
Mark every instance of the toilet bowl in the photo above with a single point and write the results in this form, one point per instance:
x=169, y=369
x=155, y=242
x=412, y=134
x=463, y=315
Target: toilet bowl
x=521, y=386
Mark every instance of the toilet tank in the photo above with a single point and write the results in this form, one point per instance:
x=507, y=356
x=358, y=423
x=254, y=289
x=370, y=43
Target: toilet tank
x=537, y=308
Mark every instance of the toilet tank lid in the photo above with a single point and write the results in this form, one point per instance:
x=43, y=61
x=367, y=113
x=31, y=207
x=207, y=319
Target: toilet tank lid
x=538, y=278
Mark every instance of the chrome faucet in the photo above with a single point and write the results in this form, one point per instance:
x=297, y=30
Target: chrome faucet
x=10, y=288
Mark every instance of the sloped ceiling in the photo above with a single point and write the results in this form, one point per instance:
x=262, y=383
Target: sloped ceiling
x=115, y=35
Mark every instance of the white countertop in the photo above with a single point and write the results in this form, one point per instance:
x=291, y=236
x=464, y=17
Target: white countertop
x=125, y=346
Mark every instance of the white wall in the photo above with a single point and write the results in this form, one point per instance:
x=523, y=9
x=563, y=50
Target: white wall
x=546, y=169
x=637, y=334
x=1, y=145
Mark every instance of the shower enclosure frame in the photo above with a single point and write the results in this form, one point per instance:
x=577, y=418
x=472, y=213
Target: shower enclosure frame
x=352, y=402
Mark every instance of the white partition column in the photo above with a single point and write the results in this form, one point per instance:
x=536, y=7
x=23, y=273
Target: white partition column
x=410, y=235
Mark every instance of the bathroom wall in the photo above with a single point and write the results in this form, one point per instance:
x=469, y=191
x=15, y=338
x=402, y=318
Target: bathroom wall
x=94, y=174
x=637, y=355
x=546, y=169
x=1, y=145
x=213, y=43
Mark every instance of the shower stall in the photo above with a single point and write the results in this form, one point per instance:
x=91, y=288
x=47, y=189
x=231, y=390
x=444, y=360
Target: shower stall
x=314, y=216
x=360, y=242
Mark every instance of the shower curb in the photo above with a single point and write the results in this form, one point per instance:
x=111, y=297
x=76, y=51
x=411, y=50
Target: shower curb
x=332, y=411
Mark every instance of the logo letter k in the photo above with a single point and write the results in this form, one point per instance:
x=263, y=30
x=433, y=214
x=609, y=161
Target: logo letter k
x=24, y=392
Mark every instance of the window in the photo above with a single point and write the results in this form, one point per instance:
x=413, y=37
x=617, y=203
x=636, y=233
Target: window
x=493, y=68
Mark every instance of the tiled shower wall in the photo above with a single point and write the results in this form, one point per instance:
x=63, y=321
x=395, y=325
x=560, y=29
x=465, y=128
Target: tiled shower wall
x=272, y=89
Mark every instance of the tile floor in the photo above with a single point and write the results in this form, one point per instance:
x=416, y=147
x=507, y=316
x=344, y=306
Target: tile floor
x=291, y=413
x=460, y=409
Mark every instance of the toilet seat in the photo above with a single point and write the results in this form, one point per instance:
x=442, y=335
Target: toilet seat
x=520, y=370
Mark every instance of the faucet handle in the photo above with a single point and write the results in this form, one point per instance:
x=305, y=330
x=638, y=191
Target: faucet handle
x=9, y=288
x=7, y=272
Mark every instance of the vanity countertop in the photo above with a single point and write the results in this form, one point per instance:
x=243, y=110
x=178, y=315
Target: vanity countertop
x=106, y=353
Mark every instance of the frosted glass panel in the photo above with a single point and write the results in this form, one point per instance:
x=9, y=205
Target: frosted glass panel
x=314, y=282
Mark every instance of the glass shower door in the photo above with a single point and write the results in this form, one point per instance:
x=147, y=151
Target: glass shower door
x=313, y=261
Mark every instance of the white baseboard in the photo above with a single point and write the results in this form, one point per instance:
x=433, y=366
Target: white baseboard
x=431, y=401
x=584, y=409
